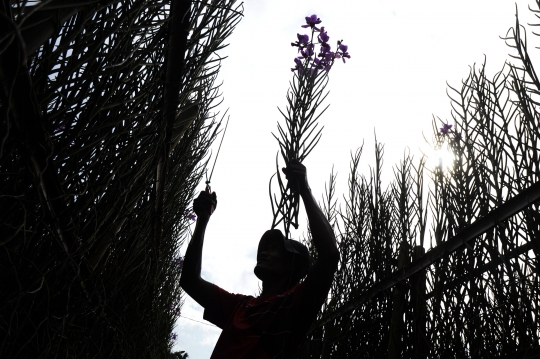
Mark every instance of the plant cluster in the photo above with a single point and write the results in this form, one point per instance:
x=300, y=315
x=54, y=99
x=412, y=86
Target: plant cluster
x=107, y=117
x=304, y=97
x=325, y=57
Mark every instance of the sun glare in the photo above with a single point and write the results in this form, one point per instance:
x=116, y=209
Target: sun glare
x=442, y=158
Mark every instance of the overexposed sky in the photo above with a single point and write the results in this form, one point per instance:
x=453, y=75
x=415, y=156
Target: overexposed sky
x=403, y=54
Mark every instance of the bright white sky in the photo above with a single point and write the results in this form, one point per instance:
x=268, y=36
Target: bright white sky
x=403, y=53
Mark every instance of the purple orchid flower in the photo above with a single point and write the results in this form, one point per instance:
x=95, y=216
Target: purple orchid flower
x=320, y=64
x=325, y=48
x=307, y=53
x=329, y=56
x=323, y=36
x=311, y=21
x=343, y=54
x=298, y=62
x=303, y=39
x=174, y=336
x=445, y=129
x=325, y=59
x=190, y=215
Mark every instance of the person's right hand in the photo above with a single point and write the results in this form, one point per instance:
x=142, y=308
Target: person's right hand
x=205, y=204
x=296, y=176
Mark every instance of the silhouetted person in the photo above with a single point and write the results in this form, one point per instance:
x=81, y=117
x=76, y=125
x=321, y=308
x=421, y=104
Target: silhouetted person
x=275, y=323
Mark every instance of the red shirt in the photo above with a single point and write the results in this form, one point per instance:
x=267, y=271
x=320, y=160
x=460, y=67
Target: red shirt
x=267, y=327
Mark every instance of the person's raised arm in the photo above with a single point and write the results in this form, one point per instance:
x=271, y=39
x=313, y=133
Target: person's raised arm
x=321, y=231
x=191, y=281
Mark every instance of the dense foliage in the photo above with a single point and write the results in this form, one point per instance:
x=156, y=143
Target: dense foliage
x=106, y=118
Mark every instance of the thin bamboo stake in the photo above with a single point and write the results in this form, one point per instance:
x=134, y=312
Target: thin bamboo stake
x=418, y=302
x=398, y=307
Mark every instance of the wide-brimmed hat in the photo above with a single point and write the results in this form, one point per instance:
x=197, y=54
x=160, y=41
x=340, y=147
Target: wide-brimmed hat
x=298, y=249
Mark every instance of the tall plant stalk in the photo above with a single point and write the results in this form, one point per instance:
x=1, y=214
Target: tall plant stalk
x=301, y=131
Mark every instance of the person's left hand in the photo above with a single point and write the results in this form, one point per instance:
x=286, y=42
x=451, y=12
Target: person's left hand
x=296, y=174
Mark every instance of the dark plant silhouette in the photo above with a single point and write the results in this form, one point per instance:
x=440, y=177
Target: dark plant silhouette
x=107, y=116
x=301, y=131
